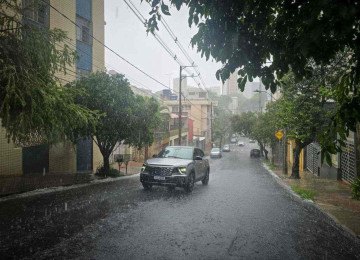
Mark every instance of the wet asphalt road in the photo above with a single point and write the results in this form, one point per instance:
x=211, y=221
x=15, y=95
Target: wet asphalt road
x=242, y=214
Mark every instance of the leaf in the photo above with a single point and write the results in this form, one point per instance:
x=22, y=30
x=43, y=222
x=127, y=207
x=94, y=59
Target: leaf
x=196, y=19
x=242, y=83
x=155, y=3
x=165, y=9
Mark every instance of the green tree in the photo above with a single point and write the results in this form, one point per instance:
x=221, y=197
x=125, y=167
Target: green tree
x=34, y=107
x=146, y=119
x=267, y=39
x=113, y=98
x=244, y=123
x=303, y=114
x=221, y=125
x=264, y=130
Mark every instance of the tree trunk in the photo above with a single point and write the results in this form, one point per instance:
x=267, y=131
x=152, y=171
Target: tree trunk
x=146, y=152
x=272, y=154
x=285, y=166
x=106, y=165
x=261, y=149
x=266, y=153
x=295, y=167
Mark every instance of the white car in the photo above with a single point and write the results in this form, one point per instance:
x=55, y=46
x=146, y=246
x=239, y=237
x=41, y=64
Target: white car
x=241, y=144
x=215, y=153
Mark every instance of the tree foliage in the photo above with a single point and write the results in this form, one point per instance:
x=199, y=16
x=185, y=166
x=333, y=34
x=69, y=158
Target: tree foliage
x=244, y=123
x=126, y=118
x=34, y=107
x=268, y=39
x=146, y=119
x=113, y=98
x=221, y=124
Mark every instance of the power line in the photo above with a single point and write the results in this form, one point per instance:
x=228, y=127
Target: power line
x=94, y=58
x=117, y=54
x=158, y=38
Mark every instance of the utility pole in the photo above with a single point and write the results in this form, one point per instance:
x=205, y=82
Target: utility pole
x=180, y=93
x=211, y=122
x=180, y=109
x=260, y=110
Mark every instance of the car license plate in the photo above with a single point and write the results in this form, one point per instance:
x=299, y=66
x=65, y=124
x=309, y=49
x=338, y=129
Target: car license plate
x=160, y=178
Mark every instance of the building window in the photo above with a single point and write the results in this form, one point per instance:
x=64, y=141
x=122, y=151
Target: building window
x=36, y=11
x=202, y=94
x=191, y=93
x=83, y=30
x=81, y=73
x=186, y=107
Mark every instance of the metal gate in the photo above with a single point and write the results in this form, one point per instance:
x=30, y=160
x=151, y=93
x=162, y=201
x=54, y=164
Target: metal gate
x=313, y=158
x=347, y=162
x=84, y=155
x=35, y=159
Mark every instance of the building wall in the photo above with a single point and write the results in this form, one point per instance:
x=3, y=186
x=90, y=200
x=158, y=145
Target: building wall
x=290, y=156
x=98, y=59
x=200, y=112
x=62, y=156
x=10, y=156
x=98, y=19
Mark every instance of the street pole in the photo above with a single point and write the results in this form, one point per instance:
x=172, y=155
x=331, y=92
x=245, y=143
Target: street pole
x=180, y=110
x=260, y=96
x=211, y=123
x=285, y=168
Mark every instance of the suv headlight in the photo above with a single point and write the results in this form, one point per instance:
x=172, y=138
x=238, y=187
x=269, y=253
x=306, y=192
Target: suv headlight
x=182, y=170
x=142, y=169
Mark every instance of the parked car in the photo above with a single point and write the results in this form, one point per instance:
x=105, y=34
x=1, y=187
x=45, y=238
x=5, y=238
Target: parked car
x=255, y=153
x=215, y=153
x=233, y=140
x=241, y=143
x=226, y=148
x=252, y=141
x=176, y=166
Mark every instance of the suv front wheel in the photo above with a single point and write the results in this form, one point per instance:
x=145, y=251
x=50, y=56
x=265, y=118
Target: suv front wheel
x=146, y=186
x=190, y=183
x=205, y=181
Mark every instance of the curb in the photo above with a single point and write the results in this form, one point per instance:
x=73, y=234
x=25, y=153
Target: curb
x=64, y=188
x=311, y=203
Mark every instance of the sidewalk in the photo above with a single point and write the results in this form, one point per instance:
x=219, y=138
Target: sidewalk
x=332, y=196
x=19, y=184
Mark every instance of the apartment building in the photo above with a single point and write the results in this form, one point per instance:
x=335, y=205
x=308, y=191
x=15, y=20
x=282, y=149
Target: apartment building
x=199, y=111
x=64, y=157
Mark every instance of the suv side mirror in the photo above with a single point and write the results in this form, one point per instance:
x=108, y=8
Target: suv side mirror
x=154, y=156
x=198, y=158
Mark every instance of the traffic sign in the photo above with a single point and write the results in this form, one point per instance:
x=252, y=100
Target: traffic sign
x=279, y=134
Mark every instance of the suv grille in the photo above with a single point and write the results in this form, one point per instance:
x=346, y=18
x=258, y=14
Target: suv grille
x=159, y=171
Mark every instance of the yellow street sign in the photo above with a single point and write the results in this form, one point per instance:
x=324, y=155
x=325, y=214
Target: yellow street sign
x=279, y=134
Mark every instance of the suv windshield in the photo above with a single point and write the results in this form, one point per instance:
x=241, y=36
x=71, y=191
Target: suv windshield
x=177, y=152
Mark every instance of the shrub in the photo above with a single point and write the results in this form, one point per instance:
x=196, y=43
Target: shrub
x=355, y=189
x=113, y=173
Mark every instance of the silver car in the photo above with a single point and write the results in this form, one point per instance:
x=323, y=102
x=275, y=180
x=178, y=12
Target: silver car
x=215, y=153
x=176, y=166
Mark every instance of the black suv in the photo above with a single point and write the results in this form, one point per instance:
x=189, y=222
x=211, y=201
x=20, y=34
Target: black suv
x=176, y=166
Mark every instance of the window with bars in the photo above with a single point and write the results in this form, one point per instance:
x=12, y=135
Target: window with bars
x=83, y=30
x=36, y=12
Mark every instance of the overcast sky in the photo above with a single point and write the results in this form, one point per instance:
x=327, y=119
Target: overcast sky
x=125, y=34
